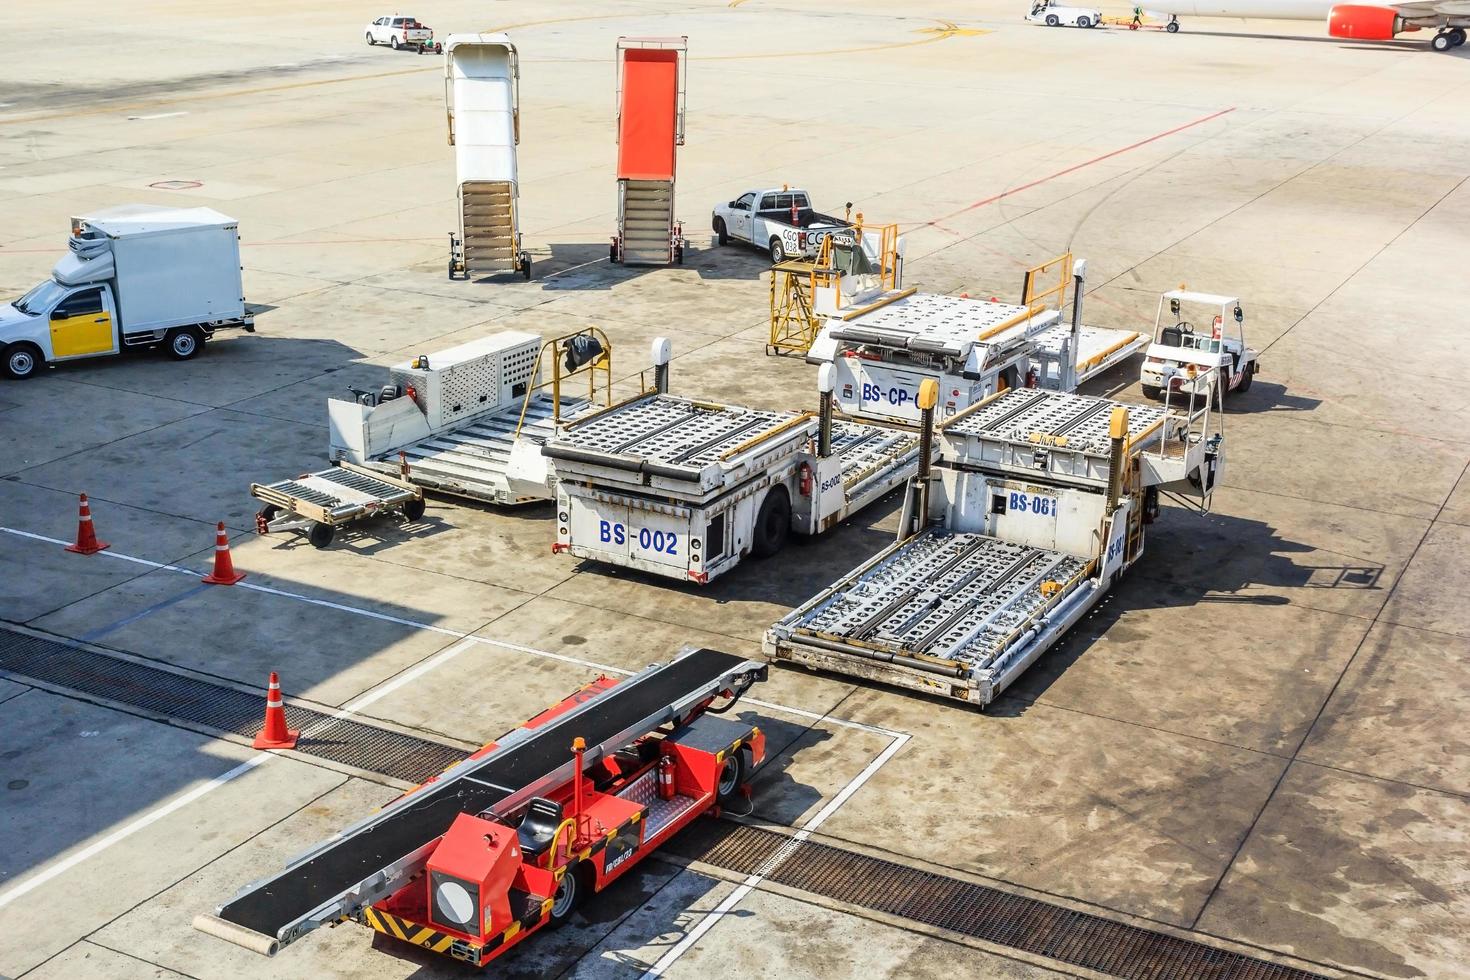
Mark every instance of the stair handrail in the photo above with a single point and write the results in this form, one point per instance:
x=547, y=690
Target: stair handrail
x=602, y=364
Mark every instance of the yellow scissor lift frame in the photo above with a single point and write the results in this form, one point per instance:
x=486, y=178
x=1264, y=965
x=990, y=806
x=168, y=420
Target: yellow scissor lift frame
x=794, y=283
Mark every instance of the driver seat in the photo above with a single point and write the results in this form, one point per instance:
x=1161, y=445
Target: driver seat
x=538, y=827
x=1172, y=337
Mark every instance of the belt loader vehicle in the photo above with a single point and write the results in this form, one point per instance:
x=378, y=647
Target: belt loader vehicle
x=1040, y=506
x=780, y=221
x=1180, y=351
x=512, y=839
x=470, y=420
x=650, y=129
x=686, y=489
x=482, y=79
x=884, y=348
x=137, y=276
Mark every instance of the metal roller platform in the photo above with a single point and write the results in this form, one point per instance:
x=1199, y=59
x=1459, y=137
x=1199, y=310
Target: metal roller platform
x=672, y=431
x=1081, y=420
x=1099, y=348
x=957, y=598
x=935, y=324
x=371, y=859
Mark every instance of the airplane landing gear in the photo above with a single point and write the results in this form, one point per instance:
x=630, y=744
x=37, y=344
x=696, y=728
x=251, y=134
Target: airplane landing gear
x=1173, y=26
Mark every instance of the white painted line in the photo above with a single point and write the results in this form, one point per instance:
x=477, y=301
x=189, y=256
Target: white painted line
x=97, y=847
x=370, y=697
x=785, y=851
x=457, y=634
x=160, y=115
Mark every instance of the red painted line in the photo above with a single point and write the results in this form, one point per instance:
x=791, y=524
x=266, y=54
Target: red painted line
x=1073, y=169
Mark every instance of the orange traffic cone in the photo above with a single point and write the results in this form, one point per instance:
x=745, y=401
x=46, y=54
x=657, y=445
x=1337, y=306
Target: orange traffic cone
x=275, y=734
x=87, y=543
x=224, y=568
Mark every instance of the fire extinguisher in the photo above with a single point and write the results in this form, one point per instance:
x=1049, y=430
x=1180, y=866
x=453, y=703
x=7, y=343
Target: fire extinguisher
x=1031, y=378
x=666, y=777
x=804, y=473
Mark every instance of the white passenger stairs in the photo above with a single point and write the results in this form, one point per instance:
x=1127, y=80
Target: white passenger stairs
x=647, y=221
x=487, y=210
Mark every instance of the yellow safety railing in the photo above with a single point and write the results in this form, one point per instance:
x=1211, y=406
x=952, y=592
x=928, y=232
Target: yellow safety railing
x=601, y=365
x=1036, y=295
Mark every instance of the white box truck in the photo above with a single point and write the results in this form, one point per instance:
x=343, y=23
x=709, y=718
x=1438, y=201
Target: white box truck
x=137, y=276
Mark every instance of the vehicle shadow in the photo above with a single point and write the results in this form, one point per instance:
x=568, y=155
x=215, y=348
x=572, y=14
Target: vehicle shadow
x=582, y=266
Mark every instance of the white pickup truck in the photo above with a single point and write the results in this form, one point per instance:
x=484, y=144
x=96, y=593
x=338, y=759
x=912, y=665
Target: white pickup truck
x=779, y=220
x=402, y=32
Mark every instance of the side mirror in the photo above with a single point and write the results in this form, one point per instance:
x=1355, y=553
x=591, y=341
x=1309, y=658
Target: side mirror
x=60, y=315
x=1239, y=314
x=733, y=204
x=1174, y=308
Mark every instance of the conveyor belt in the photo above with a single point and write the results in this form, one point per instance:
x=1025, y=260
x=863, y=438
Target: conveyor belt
x=474, y=786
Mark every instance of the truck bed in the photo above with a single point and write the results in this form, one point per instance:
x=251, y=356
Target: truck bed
x=948, y=613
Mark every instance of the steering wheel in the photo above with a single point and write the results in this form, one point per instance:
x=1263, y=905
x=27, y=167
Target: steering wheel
x=1184, y=326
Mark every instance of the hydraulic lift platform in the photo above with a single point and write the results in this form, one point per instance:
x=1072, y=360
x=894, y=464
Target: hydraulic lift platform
x=607, y=749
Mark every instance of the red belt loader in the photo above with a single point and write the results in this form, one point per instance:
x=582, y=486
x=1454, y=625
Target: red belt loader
x=513, y=838
x=650, y=93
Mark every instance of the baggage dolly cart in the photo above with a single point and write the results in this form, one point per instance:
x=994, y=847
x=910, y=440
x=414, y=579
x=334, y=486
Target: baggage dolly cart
x=316, y=504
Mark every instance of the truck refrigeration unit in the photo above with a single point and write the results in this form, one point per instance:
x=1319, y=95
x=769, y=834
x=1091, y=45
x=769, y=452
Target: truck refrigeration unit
x=1039, y=508
x=137, y=276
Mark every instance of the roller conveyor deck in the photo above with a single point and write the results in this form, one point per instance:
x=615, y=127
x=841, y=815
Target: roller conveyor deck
x=375, y=856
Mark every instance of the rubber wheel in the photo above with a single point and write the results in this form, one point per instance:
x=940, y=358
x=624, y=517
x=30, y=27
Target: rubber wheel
x=772, y=523
x=569, y=894
x=1245, y=382
x=1052, y=20
x=1084, y=21
x=612, y=252
x=393, y=42
x=1152, y=392
x=370, y=40
x=526, y=267
x=451, y=270
x=1457, y=36
x=22, y=361
x=321, y=535
x=778, y=254
x=414, y=509
x=722, y=236
x=679, y=255
x=185, y=343
x=1172, y=27
x=732, y=776
x=1441, y=42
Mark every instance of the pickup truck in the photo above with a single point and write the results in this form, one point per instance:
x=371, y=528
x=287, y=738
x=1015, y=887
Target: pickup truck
x=402, y=32
x=779, y=220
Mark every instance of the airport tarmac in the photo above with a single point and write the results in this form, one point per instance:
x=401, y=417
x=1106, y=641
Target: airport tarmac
x=1255, y=744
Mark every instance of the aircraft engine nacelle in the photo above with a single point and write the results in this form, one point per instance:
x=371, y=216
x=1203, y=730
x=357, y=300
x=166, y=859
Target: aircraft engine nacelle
x=1362, y=23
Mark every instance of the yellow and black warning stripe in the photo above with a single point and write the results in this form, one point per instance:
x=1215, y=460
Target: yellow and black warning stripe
x=724, y=754
x=597, y=846
x=409, y=932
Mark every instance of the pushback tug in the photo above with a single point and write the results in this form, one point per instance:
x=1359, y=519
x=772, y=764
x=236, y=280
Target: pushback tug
x=512, y=839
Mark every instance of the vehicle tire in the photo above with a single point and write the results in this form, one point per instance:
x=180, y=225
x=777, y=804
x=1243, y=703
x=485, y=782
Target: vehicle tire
x=185, y=343
x=414, y=509
x=612, y=253
x=678, y=254
x=1457, y=36
x=1052, y=20
x=22, y=361
x=732, y=775
x=1245, y=382
x=1152, y=393
x=722, y=236
x=370, y=40
x=526, y=267
x=1172, y=27
x=1084, y=21
x=1441, y=42
x=393, y=41
x=570, y=892
x=772, y=523
x=778, y=253
x=320, y=535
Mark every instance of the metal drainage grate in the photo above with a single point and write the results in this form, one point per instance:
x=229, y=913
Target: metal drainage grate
x=199, y=702
x=1053, y=931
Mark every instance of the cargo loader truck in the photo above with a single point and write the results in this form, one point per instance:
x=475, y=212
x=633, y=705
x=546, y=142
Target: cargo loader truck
x=886, y=342
x=137, y=276
x=513, y=839
x=687, y=489
x=1036, y=507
